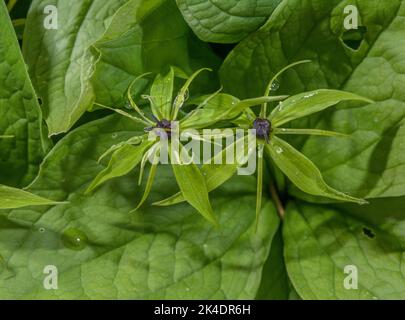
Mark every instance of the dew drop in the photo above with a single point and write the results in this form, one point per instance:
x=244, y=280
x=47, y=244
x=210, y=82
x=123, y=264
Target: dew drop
x=74, y=239
x=279, y=150
x=41, y=230
x=275, y=86
x=186, y=95
x=309, y=95
x=128, y=106
x=114, y=135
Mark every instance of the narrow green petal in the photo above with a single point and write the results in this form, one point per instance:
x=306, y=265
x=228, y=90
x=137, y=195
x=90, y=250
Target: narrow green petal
x=181, y=97
x=132, y=102
x=149, y=183
x=123, y=113
x=263, y=112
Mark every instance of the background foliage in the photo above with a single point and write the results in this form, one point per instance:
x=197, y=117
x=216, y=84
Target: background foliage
x=171, y=252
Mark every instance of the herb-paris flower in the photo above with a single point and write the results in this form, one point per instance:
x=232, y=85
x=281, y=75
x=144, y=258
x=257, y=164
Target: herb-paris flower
x=165, y=111
x=296, y=166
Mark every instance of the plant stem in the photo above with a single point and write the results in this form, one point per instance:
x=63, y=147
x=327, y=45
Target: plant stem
x=11, y=4
x=277, y=201
x=18, y=22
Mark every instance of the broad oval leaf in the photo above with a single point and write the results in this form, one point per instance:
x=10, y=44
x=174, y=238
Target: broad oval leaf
x=307, y=103
x=329, y=242
x=302, y=172
x=59, y=57
x=20, y=114
x=137, y=41
x=225, y=21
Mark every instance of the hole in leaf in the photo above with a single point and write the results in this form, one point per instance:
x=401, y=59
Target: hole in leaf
x=354, y=37
x=368, y=233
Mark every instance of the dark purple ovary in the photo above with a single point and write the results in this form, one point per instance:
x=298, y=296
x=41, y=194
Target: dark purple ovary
x=263, y=128
x=166, y=127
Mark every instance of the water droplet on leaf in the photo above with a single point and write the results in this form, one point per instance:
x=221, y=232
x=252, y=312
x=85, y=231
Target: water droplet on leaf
x=275, y=85
x=310, y=95
x=74, y=239
x=279, y=150
x=41, y=230
x=128, y=106
x=186, y=95
x=114, y=135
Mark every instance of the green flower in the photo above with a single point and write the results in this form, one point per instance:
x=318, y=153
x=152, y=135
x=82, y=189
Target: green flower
x=165, y=110
x=268, y=127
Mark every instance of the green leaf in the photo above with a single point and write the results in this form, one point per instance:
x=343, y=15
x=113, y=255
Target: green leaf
x=151, y=177
x=225, y=21
x=302, y=172
x=20, y=114
x=155, y=253
x=307, y=103
x=370, y=164
x=122, y=161
x=193, y=187
x=162, y=93
x=217, y=174
x=184, y=93
x=323, y=241
x=209, y=109
x=315, y=132
x=60, y=62
x=275, y=283
x=221, y=107
x=137, y=41
x=12, y=198
x=131, y=141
